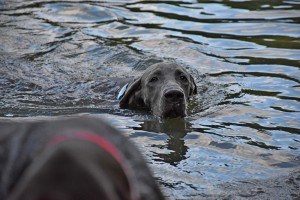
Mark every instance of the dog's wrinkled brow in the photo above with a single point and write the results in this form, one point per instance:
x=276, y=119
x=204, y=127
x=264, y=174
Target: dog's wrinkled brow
x=179, y=71
x=156, y=72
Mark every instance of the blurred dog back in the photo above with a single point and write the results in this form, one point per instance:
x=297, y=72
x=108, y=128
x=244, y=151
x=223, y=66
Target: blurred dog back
x=71, y=158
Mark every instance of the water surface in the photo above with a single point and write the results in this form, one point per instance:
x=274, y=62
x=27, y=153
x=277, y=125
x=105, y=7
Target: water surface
x=58, y=57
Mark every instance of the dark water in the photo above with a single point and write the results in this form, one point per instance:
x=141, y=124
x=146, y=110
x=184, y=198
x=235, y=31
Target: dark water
x=242, y=135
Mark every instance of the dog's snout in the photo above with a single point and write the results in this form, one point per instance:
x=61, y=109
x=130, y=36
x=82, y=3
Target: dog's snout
x=174, y=95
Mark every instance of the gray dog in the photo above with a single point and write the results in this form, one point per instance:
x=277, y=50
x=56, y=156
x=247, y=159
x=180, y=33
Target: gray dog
x=71, y=159
x=164, y=89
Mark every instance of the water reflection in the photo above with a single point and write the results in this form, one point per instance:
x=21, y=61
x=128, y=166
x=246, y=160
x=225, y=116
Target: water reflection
x=79, y=13
x=176, y=130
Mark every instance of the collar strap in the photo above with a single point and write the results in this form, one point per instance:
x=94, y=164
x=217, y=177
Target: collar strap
x=93, y=138
x=122, y=92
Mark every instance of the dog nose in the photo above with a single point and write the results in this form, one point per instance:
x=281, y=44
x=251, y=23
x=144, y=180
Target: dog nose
x=174, y=95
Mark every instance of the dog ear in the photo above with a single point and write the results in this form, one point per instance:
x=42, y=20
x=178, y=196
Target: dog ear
x=133, y=95
x=193, y=87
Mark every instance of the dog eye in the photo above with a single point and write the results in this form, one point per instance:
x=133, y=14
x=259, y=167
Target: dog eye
x=153, y=79
x=183, y=78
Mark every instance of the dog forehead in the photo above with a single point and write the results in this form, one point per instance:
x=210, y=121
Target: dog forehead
x=165, y=65
x=163, y=68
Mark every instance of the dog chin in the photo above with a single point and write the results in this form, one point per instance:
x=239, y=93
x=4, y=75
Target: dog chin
x=173, y=111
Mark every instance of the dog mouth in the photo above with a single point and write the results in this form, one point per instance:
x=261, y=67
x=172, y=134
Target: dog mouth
x=173, y=103
x=173, y=110
x=170, y=103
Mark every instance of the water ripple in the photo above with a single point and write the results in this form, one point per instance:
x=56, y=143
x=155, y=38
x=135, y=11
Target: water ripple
x=63, y=57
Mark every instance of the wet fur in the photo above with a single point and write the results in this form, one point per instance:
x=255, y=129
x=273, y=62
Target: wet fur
x=158, y=88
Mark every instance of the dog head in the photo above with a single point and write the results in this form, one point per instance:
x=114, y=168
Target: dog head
x=164, y=89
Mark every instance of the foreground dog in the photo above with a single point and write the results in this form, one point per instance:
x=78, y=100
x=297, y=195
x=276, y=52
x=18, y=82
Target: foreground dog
x=71, y=159
x=164, y=89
